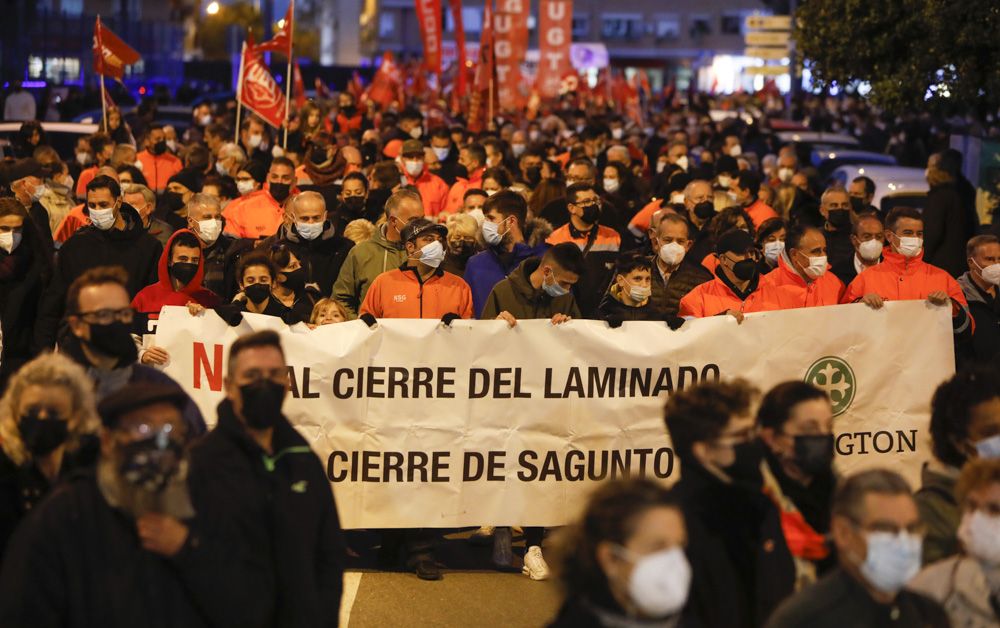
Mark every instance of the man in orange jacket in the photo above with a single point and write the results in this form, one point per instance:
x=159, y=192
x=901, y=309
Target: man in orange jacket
x=801, y=278
x=735, y=279
x=260, y=213
x=158, y=165
x=473, y=157
x=419, y=288
x=903, y=275
x=433, y=190
x=745, y=190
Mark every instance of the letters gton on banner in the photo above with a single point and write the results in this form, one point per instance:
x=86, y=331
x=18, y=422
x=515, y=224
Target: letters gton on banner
x=419, y=425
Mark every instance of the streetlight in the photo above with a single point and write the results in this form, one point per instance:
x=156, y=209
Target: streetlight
x=212, y=8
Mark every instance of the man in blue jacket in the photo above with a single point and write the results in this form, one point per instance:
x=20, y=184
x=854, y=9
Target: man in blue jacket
x=511, y=237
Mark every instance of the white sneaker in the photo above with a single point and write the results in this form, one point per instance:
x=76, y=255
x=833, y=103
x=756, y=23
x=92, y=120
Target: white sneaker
x=535, y=566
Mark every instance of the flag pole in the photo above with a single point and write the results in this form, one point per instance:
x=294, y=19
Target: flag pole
x=239, y=94
x=104, y=105
x=288, y=72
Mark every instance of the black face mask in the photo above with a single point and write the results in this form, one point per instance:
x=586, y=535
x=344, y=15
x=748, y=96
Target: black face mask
x=159, y=148
x=353, y=205
x=369, y=152
x=171, y=202
x=814, y=453
x=704, y=210
x=262, y=403
x=115, y=341
x=840, y=218
x=745, y=270
x=257, y=292
x=591, y=213
x=151, y=463
x=349, y=111
x=746, y=467
x=317, y=155
x=295, y=280
x=533, y=176
x=42, y=436
x=279, y=191
x=183, y=272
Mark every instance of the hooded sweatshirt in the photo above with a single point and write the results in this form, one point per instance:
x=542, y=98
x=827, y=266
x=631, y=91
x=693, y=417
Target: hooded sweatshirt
x=364, y=263
x=151, y=299
x=516, y=295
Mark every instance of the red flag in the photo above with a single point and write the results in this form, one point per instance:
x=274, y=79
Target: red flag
x=282, y=40
x=258, y=91
x=322, y=91
x=484, y=69
x=299, y=87
x=456, y=16
x=510, y=32
x=386, y=82
x=555, y=31
x=429, y=19
x=111, y=54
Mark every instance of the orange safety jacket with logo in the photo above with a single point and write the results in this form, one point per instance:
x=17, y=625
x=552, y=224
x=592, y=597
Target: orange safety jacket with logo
x=898, y=278
x=400, y=293
x=785, y=289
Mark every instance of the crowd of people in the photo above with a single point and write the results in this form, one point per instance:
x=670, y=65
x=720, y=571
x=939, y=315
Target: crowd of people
x=369, y=213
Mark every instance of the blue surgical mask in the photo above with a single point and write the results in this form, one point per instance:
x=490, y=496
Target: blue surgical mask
x=989, y=448
x=553, y=289
x=892, y=560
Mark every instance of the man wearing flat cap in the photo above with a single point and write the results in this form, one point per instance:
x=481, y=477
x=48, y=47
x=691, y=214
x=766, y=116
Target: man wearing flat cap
x=419, y=288
x=122, y=544
x=26, y=180
x=433, y=190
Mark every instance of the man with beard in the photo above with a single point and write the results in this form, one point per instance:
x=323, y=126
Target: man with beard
x=125, y=544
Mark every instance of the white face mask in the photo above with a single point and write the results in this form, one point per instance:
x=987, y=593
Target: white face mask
x=83, y=158
x=660, y=166
x=909, y=246
x=672, y=253
x=785, y=174
x=989, y=448
x=103, y=219
x=611, y=185
x=892, y=560
x=138, y=165
x=980, y=536
x=39, y=192
x=677, y=198
x=209, y=230
x=816, y=267
x=221, y=169
x=617, y=133
x=732, y=196
x=492, y=234
x=660, y=582
x=441, y=153
x=490, y=192
x=205, y=120
x=638, y=293
x=725, y=181
x=413, y=167
x=736, y=151
x=773, y=250
x=255, y=140
x=682, y=163
x=990, y=274
x=309, y=230
x=245, y=187
x=416, y=132
x=533, y=135
x=432, y=254
x=9, y=240
x=518, y=149
x=870, y=250
x=172, y=145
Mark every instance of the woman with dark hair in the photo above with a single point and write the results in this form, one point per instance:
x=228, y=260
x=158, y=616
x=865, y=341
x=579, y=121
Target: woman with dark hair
x=770, y=240
x=289, y=289
x=619, y=187
x=29, y=137
x=623, y=562
x=965, y=424
x=496, y=179
x=257, y=277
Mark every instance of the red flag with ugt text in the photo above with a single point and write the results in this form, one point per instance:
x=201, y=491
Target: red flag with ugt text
x=429, y=20
x=298, y=86
x=258, y=91
x=510, y=36
x=282, y=40
x=111, y=54
x=555, y=32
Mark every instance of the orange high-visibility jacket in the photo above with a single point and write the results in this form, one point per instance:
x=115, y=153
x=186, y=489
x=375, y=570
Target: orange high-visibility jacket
x=708, y=299
x=399, y=293
x=256, y=215
x=785, y=289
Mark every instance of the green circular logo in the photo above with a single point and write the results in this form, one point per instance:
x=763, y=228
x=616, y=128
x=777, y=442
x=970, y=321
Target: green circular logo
x=835, y=377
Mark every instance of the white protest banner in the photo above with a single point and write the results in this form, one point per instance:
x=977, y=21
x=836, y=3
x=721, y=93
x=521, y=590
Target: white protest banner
x=419, y=425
